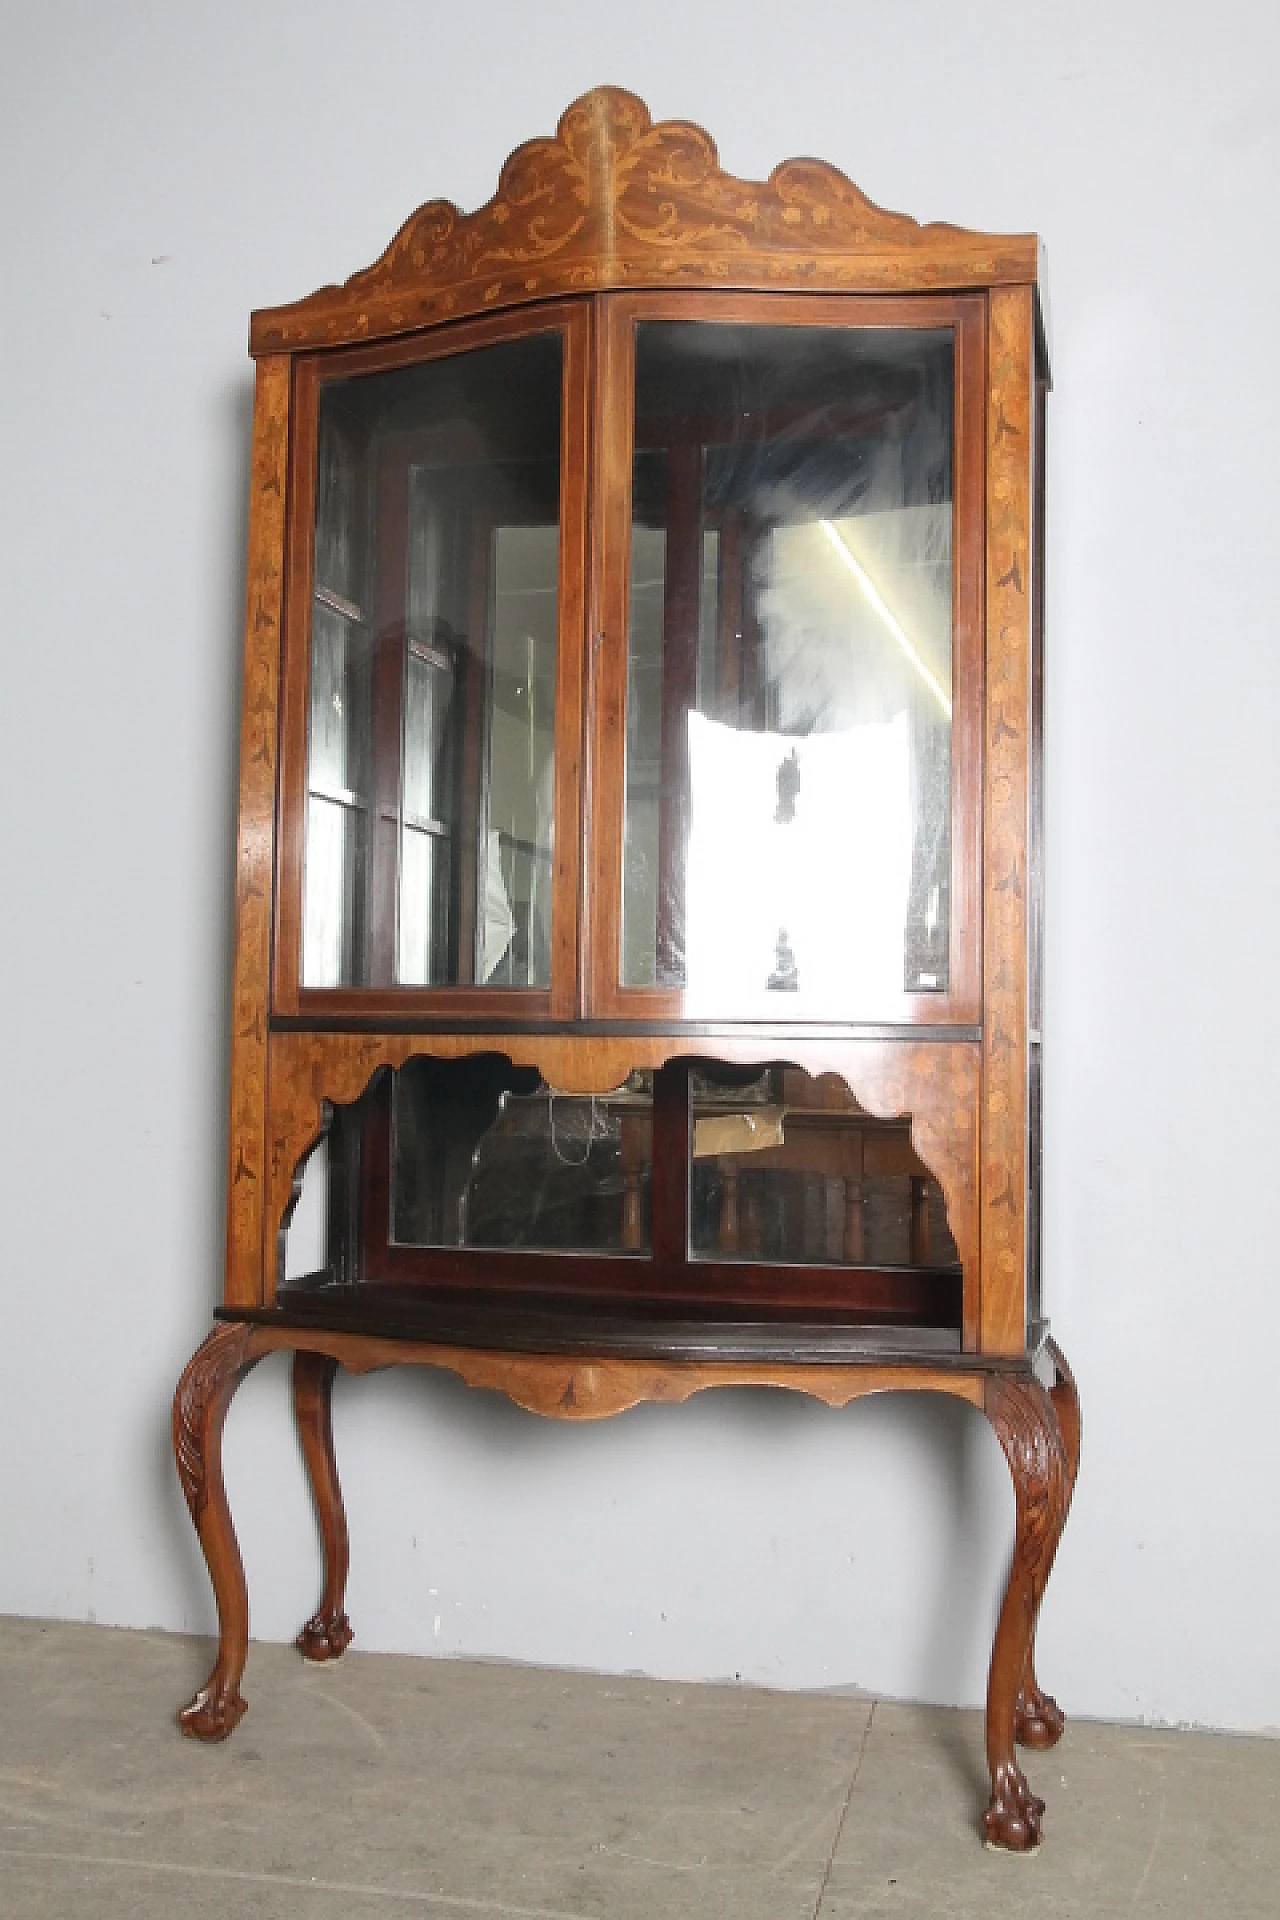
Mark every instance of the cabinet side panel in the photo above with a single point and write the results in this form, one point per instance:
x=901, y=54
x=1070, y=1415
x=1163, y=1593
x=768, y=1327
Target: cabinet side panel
x=254, y=846
x=1010, y=439
x=1035, y=870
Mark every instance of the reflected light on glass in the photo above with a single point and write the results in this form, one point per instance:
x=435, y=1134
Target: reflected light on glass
x=836, y=876
x=872, y=593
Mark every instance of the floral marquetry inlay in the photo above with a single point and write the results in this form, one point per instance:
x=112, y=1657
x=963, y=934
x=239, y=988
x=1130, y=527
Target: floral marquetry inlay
x=1008, y=703
x=613, y=200
x=258, y=720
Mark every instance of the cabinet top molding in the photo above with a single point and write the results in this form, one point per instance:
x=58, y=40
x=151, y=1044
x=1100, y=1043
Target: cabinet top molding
x=614, y=201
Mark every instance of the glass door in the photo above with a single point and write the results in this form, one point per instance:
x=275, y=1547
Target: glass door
x=436, y=624
x=789, y=688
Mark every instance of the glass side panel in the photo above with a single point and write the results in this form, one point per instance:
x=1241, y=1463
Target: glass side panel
x=434, y=639
x=786, y=1170
x=787, y=827
x=484, y=1154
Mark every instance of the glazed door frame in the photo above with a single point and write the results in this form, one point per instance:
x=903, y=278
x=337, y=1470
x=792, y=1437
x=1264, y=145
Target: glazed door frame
x=604, y=997
x=448, y=1004
x=595, y=523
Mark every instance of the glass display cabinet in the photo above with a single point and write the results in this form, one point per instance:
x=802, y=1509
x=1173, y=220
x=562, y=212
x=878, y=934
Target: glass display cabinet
x=637, y=941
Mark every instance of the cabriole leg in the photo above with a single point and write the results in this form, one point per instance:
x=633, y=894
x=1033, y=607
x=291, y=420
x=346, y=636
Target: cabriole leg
x=200, y=1405
x=1040, y=1720
x=327, y=1633
x=1027, y=1426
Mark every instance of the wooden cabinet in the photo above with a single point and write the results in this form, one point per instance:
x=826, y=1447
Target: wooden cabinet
x=639, y=853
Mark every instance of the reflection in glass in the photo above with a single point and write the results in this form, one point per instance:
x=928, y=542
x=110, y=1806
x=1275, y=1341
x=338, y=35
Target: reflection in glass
x=784, y=1169
x=485, y=1154
x=516, y=946
x=433, y=666
x=729, y=1167
x=643, y=760
x=788, y=746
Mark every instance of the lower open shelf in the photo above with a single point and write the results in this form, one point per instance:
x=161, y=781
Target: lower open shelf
x=632, y=1327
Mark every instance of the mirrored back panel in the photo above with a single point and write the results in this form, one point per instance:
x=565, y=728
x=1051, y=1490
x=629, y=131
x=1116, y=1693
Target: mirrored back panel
x=692, y=1183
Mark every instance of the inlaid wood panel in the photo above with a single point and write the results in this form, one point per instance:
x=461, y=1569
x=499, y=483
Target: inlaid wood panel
x=246, y=1182
x=1010, y=441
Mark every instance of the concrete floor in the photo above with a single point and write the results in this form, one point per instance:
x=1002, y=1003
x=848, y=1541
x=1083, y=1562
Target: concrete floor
x=386, y=1785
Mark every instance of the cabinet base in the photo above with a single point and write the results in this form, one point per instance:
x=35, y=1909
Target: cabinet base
x=1038, y=1428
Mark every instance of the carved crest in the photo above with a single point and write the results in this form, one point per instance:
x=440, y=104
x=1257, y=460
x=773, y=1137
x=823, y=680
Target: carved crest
x=612, y=200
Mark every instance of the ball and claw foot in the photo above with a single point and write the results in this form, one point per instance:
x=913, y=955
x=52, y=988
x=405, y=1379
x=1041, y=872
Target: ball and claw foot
x=326, y=1636
x=1012, y=1821
x=213, y=1714
x=1040, y=1720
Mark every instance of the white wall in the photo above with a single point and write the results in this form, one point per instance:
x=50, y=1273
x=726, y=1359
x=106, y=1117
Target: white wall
x=167, y=167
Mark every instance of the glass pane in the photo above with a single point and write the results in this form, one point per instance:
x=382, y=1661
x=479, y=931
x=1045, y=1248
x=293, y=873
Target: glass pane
x=517, y=925
x=785, y=1170
x=484, y=1154
x=335, y=849
x=788, y=746
x=433, y=670
x=643, y=762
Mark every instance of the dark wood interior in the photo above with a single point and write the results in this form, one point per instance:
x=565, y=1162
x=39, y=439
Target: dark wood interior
x=369, y=1254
